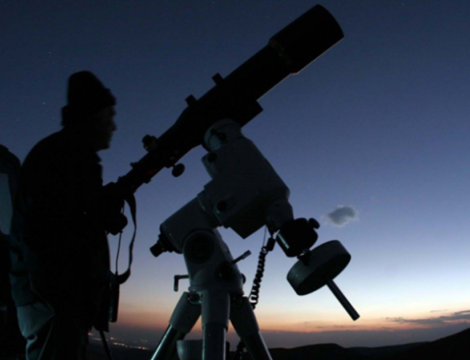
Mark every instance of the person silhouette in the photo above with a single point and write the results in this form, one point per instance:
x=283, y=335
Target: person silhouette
x=11, y=341
x=60, y=274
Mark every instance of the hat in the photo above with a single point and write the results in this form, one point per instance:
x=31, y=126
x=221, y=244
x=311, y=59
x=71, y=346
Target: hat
x=86, y=95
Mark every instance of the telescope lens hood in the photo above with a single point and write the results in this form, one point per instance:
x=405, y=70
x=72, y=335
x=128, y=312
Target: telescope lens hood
x=305, y=39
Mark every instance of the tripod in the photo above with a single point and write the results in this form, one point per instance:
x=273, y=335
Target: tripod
x=215, y=292
x=245, y=193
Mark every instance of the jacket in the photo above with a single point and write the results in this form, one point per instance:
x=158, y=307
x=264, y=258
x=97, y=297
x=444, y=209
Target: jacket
x=59, y=244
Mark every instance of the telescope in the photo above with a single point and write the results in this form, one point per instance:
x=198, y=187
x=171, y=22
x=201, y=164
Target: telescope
x=236, y=96
x=245, y=193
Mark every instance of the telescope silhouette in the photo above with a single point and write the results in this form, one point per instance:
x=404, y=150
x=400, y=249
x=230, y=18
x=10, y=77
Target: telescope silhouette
x=236, y=96
x=242, y=195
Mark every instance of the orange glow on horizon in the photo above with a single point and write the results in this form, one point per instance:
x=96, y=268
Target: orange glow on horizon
x=144, y=320
x=294, y=324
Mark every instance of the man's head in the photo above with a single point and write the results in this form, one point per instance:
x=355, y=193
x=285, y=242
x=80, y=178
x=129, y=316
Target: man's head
x=104, y=126
x=90, y=109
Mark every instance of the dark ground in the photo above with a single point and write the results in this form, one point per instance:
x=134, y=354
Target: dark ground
x=454, y=347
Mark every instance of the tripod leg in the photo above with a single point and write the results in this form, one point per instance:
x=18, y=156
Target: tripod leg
x=244, y=321
x=215, y=314
x=182, y=321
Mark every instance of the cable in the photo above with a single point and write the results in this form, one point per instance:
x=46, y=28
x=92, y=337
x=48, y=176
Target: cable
x=255, y=289
x=119, y=246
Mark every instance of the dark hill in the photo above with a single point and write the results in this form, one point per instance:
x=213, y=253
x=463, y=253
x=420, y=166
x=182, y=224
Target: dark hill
x=385, y=351
x=317, y=352
x=454, y=347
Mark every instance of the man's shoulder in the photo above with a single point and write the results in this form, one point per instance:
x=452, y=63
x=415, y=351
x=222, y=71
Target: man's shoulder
x=60, y=152
x=54, y=147
x=51, y=142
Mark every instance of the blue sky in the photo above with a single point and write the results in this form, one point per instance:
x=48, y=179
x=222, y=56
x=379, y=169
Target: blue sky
x=378, y=124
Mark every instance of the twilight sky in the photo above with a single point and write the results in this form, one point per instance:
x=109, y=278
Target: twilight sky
x=373, y=139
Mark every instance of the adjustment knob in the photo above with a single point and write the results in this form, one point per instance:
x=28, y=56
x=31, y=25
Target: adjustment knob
x=177, y=170
x=150, y=142
x=314, y=223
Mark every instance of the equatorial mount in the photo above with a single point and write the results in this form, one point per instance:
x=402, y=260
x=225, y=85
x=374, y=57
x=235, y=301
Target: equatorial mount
x=245, y=194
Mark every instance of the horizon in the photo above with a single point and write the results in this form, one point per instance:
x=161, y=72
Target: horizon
x=148, y=337
x=372, y=139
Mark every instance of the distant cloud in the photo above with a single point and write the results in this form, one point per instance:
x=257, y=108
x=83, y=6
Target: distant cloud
x=426, y=322
x=461, y=316
x=342, y=215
